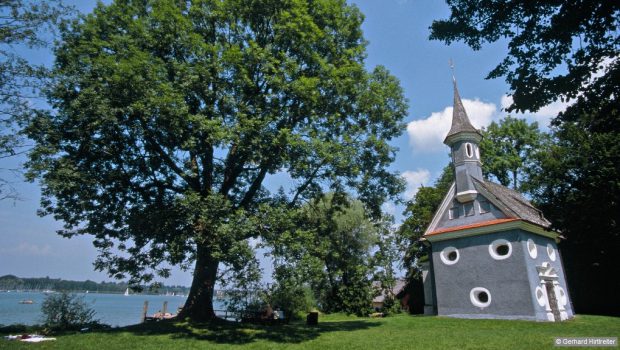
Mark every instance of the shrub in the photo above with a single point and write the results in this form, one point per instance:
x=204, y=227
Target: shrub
x=296, y=301
x=65, y=311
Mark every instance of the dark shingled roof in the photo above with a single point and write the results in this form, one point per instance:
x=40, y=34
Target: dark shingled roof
x=514, y=202
x=460, y=121
x=398, y=287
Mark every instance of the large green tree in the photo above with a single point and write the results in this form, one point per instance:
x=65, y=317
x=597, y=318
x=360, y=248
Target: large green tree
x=509, y=148
x=334, y=247
x=169, y=116
x=419, y=214
x=568, y=51
x=23, y=25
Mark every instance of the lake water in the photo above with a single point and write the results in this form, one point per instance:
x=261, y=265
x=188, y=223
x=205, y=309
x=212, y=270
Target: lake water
x=112, y=309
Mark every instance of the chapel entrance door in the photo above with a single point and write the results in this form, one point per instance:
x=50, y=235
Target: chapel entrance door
x=553, y=300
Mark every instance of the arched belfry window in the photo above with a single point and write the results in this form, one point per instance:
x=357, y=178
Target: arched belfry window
x=469, y=150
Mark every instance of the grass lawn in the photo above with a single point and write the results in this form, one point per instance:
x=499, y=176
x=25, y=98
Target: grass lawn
x=339, y=332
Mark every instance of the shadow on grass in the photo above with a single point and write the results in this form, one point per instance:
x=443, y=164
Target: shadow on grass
x=241, y=333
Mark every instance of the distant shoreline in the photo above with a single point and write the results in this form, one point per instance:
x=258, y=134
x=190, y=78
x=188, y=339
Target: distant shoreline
x=79, y=291
x=10, y=283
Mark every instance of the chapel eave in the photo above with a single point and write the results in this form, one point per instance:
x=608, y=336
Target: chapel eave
x=487, y=227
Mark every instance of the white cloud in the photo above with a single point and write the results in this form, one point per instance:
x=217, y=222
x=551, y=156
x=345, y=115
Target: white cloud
x=427, y=134
x=414, y=180
x=543, y=116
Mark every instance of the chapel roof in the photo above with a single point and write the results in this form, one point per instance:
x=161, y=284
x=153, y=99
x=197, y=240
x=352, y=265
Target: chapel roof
x=399, y=286
x=514, y=202
x=460, y=121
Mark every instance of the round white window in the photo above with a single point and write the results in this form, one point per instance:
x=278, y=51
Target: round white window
x=449, y=255
x=561, y=295
x=500, y=249
x=477, y=153
x=551, y=252
x=532, y=249
x=480, y=297
x=540, y=296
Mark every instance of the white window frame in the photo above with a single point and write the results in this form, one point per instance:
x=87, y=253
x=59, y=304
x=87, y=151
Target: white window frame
x=532, y=248
x=541, y=296
x=480, y=210
x=493, y=249
x=561, y=295
x=551, y=252
x=473, y=297
x=469, y=150
x=444, y=255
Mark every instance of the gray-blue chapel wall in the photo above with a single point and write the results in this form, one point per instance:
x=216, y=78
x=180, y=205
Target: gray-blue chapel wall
x=433, y=288
x=532, y=271
x=461, y=160
x=507, y=280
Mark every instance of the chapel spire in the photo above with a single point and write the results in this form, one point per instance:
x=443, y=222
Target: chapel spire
x=464, y=140
x=460, y=121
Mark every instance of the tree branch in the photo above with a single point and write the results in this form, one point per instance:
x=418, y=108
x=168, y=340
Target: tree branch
x=303, y=187
x=193, y=182
x=207, y=169
x=256, y=184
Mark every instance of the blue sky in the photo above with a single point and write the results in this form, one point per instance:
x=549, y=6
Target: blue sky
x=397, y=31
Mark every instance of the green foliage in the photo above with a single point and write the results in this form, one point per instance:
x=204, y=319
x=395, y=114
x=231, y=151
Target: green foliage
x=332, y=246
x=419, y=214
x=244, y=289
x=556, y=50
x=25, y=23
x=387, y=255
x=170, y=115
x=344, y=236
x=64, y=311
x=295, y=300
x=577, y=175
x=577, y=185
x=509, y=149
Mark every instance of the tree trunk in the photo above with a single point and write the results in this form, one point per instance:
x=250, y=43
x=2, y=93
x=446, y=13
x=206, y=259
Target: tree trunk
x=514, y=180
x=199, y=304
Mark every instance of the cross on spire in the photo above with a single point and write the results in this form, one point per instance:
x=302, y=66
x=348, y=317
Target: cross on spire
x=451, y=63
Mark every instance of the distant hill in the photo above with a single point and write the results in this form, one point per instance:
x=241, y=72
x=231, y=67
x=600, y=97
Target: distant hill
x=11, y=282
